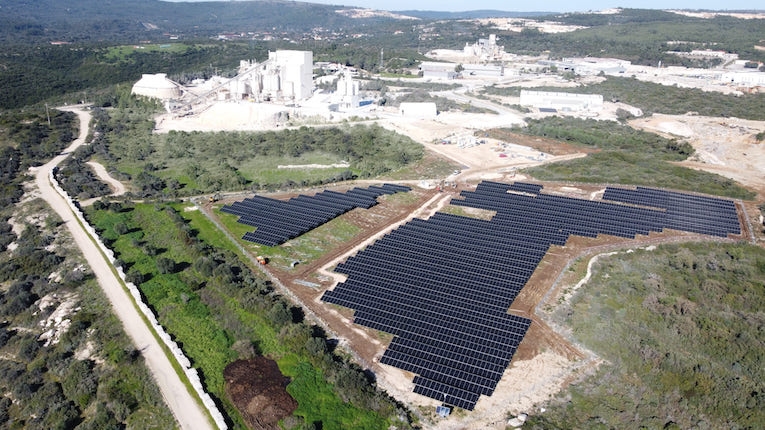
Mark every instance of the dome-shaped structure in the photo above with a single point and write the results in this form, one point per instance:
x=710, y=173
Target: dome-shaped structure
x=157, y=86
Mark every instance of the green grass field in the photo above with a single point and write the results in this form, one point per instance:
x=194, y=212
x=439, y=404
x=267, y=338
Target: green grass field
x=122, y=52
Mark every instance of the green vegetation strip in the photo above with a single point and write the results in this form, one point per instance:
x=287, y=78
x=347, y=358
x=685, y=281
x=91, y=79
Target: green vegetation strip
x=218, y=311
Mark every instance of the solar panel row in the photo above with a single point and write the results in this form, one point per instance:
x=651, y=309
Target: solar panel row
x=442, y=286
x=525, y=187
x=279, y=221
x=697, y=214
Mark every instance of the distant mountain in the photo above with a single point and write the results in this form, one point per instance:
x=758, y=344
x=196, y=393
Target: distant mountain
x=471, y=14
x=25, y=21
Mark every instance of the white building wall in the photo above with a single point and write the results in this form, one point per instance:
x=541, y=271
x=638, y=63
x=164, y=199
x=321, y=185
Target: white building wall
x=436, y=70
x=744, y=78
x=296, y=73
x=157, y=86
x=484, y=70
x=418, y=110
x=562, y=101
x=347, y=94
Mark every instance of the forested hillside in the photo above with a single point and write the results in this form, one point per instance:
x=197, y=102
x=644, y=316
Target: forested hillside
x=641, y=36
x=113, y=20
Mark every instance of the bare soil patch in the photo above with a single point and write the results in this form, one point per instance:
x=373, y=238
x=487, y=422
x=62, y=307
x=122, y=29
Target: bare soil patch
x=726, y=146
x=542, y=144
x=258, y=390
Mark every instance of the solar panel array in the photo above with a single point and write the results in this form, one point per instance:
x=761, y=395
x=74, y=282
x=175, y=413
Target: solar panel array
x=697, y=214
x=278, y=221
x=443, y=286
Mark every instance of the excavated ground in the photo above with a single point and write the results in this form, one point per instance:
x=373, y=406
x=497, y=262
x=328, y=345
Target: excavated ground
x=258, y=390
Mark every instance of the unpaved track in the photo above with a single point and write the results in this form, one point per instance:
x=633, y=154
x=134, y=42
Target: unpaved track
x=187, y=411
x=101, y=172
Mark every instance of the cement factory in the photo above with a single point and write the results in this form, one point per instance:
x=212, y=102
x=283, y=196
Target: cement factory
x=270, y=92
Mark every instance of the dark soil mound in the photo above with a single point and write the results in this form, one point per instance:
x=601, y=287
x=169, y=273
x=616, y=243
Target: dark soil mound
x=258, y=390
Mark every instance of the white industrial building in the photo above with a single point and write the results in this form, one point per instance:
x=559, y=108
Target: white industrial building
x=157, y=86
x=483, y=70
x=485, y=49
x=754, y=78
x=418, y=110
x=566, y=102
x=589, y=65
x=286, y=76
x=437, y=70
x=347, y=94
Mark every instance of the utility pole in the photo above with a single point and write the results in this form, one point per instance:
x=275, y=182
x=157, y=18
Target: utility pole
x=47, y=113
x=381, y=58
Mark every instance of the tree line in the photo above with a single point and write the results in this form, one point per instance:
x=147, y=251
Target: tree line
x=49, y=383
x=220, y=311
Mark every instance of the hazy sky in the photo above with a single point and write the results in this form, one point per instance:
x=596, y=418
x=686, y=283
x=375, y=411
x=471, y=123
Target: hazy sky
x=548, y=5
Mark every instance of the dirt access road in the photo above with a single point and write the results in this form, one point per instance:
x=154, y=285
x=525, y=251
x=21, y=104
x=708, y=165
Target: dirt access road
x=187, y=410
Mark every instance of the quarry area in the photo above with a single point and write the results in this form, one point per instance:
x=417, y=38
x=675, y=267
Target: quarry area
x=277, y=94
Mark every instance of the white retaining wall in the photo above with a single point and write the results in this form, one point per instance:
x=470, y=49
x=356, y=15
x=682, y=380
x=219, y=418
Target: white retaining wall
x=190, y=372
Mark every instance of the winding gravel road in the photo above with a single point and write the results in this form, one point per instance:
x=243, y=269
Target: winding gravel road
x=188, y=412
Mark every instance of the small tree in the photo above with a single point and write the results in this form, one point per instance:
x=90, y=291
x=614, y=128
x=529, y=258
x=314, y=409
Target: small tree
x=120, y=228
x=165, y=265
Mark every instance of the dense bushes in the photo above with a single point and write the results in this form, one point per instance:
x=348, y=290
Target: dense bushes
x=195, y=162
x=680, y=330
x=52, y=383
x=78, y=179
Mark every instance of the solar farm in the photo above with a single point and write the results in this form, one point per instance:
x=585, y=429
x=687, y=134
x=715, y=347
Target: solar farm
x=279, y=221
x=442, y=285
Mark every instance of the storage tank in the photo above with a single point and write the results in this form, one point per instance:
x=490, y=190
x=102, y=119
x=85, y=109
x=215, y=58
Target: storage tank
x=157, y=86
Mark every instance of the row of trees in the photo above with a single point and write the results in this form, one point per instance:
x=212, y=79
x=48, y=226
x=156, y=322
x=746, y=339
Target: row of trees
x=220, y=311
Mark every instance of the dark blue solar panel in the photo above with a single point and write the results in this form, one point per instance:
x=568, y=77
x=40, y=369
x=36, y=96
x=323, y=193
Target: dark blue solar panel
x=278, y=221
x=442, y=286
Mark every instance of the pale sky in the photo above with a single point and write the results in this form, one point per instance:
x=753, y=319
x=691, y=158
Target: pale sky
x=547, y=5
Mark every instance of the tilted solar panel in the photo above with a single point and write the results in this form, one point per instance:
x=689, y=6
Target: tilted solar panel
x=442, y=286
x=278, y=221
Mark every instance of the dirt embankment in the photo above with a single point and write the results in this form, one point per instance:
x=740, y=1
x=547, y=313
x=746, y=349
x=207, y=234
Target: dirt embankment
x=726, y=146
